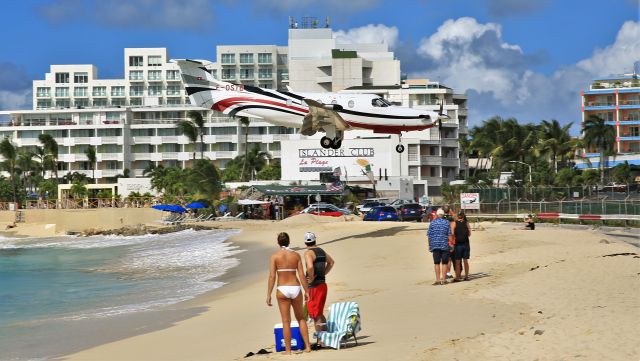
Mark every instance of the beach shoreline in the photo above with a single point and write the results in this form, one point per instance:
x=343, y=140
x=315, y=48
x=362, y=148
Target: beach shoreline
x=528, y=288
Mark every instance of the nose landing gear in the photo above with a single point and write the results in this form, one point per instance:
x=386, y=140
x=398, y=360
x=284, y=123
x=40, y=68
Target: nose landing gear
x=333, y=143
x=400, y=147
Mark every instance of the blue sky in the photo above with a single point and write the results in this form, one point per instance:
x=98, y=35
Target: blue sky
x=527, y=59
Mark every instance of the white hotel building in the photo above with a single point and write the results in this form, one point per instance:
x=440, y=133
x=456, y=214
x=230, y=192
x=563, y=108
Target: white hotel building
x=131, y=121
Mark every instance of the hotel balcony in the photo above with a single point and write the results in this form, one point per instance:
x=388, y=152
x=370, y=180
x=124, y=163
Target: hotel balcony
x=104, y=173
x=599, y=106
x=450, y=162
x=141, y=156
x=324, y=79
x=431, y=160
x=169, y=155
x=450, y=142
x=432, y=181
x=141, y=140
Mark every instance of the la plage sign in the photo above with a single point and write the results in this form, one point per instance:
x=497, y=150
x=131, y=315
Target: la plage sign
x=331, y=153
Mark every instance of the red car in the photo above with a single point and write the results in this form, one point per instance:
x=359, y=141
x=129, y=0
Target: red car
x=325, y=210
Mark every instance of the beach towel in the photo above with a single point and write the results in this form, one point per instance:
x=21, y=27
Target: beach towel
x=343, y=322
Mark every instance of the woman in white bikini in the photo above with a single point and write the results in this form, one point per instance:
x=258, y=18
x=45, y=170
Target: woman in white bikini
x=287, y=264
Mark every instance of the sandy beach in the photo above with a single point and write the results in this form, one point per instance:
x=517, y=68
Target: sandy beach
x=550, y=294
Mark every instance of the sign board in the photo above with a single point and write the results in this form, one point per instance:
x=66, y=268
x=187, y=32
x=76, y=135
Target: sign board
x=305, y=159
x=470, y=200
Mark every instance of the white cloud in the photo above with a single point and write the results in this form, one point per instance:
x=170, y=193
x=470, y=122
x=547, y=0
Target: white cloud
x=13, y=100
x=473, y=58
x=368, y=34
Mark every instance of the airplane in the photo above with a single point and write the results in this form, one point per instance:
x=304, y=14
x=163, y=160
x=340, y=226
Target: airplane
x=331, y=113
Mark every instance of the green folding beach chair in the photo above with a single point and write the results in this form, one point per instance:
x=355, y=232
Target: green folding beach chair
x=343, y=322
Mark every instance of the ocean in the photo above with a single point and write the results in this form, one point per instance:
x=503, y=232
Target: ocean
x=58, y=294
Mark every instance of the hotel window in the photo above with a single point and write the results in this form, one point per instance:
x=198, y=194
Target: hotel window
x=80, y=92
x=173, y=75
x=173, y=101
x=164, y=132
x=228, y=74
x=155, y=60
x=109, y=148
x=99, y=102
x=62, y=92
x=228, y=58
x=634, y=131
x=62, y=103
x=146, y=132
x=43, y=92
x=80, y=78
x=85, y=118
x=62, y=77
x=117, y=91
x=155, y=74
x=81, y=133
x=99, y=91
x=110, y=132
x=265, y=73
x=214, y=73
x=246, y=58
x=136, y=91
x=81, y=103
x=135, y=101
x=28, y=134
x=118, y=102
x=136, y=75
x=173, y=90
x=266, y=86
x=264, y=58
x=58, y=133
x=43, y=104
x=246, y=73
x=135, y=61
x=155, y=90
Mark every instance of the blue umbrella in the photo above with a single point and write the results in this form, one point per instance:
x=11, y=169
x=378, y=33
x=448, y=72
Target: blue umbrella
x=161, y=207
x=196, y=205
x=169, y=208
x=177, y=208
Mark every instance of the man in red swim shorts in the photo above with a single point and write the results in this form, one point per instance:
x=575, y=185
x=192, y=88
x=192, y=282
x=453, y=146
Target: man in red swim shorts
x=318, y=263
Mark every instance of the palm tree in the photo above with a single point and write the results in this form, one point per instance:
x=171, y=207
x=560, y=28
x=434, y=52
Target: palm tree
x=92, y=158
x=554, y=141
x=8, y=152
x=256, y=160
x=188, y=129
x=27, y=165
x=197, y=120
x=599, y=135
x=245, y=123
x=51, y=147
x=43, y=158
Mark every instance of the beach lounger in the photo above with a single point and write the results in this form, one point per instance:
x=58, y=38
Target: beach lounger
x=343, y=322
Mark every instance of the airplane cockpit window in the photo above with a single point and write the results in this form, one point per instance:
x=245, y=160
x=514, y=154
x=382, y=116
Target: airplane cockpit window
x=380, y=102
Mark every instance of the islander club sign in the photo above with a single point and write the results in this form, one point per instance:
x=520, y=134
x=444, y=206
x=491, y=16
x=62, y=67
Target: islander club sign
x=305, y=160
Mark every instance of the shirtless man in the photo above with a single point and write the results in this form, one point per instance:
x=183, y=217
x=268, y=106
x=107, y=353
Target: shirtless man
x=318, y=263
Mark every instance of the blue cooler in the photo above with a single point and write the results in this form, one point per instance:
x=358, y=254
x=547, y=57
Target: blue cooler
x=296, y=337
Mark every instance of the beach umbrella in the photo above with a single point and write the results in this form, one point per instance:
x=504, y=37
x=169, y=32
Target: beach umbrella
x=196, y=205
x=161, y=207
x=176, y=208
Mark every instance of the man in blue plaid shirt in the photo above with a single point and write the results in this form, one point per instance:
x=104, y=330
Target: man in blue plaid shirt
x=438, y=234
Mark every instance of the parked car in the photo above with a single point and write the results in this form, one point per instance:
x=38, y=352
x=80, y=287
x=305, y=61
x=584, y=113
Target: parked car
x=410, y=212
x=381, y=213
x=325, y=209
x=400, y=202
x=366, y=207
x=615, y=187
x=379, y=201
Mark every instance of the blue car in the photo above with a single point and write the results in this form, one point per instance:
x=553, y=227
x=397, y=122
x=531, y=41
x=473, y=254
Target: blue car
x=381, y=213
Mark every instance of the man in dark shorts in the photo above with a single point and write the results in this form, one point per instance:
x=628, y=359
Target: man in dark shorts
x=438, y=233
x=318, y=264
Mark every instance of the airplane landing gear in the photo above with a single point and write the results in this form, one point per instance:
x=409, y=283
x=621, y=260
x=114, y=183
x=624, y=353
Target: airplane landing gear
x=399, y=148
x=326, y=142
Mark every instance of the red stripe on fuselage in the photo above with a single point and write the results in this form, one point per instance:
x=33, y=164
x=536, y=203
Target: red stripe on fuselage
x=388, y=129
x=226, y=103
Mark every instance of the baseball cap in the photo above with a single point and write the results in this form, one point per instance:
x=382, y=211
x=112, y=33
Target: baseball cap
x=440, y=212
x=309, y=237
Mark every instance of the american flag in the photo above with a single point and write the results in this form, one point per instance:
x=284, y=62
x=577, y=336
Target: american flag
x=335, y=187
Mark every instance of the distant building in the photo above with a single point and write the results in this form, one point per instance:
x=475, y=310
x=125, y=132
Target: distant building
x=616, y=99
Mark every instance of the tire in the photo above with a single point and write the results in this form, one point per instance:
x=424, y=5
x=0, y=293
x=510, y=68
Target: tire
x=326, y=142
x=336, y=145
x=399, y=148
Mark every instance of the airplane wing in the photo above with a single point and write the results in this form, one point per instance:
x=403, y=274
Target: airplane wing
x=321, y=115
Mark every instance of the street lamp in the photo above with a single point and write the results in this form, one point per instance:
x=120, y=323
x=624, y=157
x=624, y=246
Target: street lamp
x=515, y=161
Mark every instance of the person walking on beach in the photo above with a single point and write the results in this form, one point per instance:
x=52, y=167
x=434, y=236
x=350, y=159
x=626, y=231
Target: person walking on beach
x=438, y=234
x=462, y=250
x=318, y=263
x=287, y=265
x=449, y=215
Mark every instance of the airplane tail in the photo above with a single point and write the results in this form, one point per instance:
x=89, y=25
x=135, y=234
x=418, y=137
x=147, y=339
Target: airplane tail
x=199, y=84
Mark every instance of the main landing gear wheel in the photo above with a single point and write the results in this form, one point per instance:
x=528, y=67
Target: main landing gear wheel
x=399, y=148
x=336, y=144
x=326, y=142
